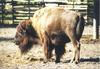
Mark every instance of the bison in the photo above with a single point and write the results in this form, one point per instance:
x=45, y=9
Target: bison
x=52, y=28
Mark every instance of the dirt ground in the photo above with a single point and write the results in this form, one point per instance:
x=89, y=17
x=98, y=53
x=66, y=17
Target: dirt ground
x=10, y=59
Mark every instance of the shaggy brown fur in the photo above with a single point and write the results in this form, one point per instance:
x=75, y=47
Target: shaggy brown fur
x=53, y=27
x=24, y=36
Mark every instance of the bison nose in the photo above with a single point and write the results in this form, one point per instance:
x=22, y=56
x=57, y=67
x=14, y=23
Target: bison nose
x=16, y=41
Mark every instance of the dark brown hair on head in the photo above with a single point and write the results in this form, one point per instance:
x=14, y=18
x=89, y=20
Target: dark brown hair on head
x=29, y=35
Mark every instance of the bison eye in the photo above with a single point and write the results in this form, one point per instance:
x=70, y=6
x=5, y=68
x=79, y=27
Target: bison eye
x=18, y=36
x=23, y=32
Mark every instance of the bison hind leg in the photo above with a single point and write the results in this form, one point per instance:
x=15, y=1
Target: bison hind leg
x=59, y=51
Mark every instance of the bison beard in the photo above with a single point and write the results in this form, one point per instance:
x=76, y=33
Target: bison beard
x=27, y=44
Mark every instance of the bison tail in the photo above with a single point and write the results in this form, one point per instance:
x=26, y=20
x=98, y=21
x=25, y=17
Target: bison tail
x=80, y=27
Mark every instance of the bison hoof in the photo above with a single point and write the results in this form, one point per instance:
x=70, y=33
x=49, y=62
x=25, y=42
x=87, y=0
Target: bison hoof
x=45, y=61
x=57, y=61
x=75, y=62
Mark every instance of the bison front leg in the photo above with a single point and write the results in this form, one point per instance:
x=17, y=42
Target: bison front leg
x=47, y=48
x=48, y=53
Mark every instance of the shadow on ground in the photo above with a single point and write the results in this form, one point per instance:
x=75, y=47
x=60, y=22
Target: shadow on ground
x=8, y=25
x=90, y=59
x=6, y=39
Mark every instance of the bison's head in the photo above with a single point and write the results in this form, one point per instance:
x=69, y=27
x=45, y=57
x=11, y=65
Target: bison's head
x=25, y=36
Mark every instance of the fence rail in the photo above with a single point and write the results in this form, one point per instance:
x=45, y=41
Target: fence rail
x=12, y=11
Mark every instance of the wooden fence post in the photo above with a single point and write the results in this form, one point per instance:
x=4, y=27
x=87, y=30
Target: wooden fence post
x=29, y=8
x=13, y=11
x=96, y=20
x=2, y=11
x=95, y=34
